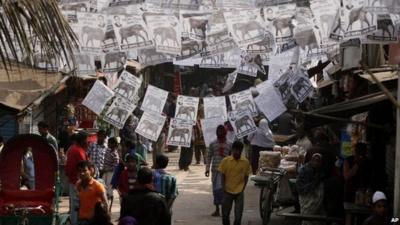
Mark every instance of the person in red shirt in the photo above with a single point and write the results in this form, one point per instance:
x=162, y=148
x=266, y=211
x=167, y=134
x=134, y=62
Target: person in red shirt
x=127, y=179
x=75, y=154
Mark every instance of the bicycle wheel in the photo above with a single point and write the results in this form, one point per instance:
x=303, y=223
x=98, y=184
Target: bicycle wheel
x=267, y=206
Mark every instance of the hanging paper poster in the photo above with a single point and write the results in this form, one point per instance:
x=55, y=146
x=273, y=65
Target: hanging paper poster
x=230, y=81
x=150, y=125
x=209, y=128
x=325, y=12
x=283, y=85
x=181, y=4
x=189, y=49
x=124, y=2
x=127, y=86
x=269, y=102
x=195, y=24
x=154, y=100
x=166, y=32
x=353, y=21
x=77, y=6
x=97, y=97
x=213, y=61
x=242, y=123
x=149, y=56
x=186, y=108
x=245, y=26
x=386, y=31
x=131, y=31
x=85, y=64
x=215, y=107
x=92, y=29
x=233, y=4
x=267, y=44
x=300, y=86
x=180, y=133
x=280, y=21
x=118, y=112
x=243, y=101
x=114, y=61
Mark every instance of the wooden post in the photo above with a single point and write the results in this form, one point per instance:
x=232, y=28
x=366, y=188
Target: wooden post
x=396, y=200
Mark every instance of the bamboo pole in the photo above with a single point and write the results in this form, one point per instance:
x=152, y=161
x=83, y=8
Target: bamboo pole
x=396, y=199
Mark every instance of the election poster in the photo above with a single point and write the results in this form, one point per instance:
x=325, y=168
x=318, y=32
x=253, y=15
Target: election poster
x=150, y=125
x=92, y=27
x=154, y=100
x=242, y=122
x=97, y=97
x=186, y=108
x=215, y=107
x=118, y=112
x=132, y=32
x=127, y=86
x=209, y=128
x=269, y=102
x=180, y=132
x=243, y=101
x=166, y=32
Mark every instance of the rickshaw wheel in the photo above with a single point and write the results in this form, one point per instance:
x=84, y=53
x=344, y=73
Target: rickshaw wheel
x=266, y=205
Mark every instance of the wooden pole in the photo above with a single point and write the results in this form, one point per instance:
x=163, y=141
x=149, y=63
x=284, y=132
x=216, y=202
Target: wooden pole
x=396, y=199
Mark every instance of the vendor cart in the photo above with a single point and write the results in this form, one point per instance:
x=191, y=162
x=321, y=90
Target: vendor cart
x=33, y=207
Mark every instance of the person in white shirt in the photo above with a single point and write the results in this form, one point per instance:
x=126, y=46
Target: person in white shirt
x=261, y=140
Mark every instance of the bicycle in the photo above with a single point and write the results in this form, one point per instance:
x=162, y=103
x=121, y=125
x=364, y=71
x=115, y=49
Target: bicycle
x=269, y=182
x=23, y=212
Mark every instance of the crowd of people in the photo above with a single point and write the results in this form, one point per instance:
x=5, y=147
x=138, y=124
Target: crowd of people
x=147, y=192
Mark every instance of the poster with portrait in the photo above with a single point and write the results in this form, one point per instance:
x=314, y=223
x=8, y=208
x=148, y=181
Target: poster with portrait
x=118, y=112
x=215, y=107
x=186, y=108
x=149, y=57
x=195, y=24
x=154, y=100
x=269, y=102
x=180, y=132
x=209, y=128
x=166, y=32
x=243, y=101
x=77, y=5
x=242, y=122
x=353, y=21
x=280, y=21
x=246, y=26
x=97, y=97
x=110, y=42
x=92, y=27
x=132, y=31
x=150, y=125
x=127, y=86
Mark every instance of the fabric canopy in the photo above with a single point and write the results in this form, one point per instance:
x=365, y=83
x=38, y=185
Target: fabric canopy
x=342, y=110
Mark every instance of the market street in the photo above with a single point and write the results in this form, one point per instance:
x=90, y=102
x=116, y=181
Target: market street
x=194, y=203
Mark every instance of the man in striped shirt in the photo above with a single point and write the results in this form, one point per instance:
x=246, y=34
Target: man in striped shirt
x=164, y=182
x=97, y=151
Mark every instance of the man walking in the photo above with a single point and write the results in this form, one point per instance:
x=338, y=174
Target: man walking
x=75, y=154
x=235, y=170
x=97, y=151
x=43, y=128
x=164, y=182
x=145, y=205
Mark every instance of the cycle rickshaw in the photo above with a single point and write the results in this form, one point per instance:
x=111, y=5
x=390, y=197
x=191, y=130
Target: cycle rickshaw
x=268, y=181
x=33, y=207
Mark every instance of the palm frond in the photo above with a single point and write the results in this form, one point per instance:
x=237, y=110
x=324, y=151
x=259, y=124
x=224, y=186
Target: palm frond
x=24, y=23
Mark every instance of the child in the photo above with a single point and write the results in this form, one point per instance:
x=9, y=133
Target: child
x=127, y=179
x=90, y=192
x=379, y=210
x=111, y=160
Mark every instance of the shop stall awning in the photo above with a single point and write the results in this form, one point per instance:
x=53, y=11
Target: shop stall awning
x=342, y=111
